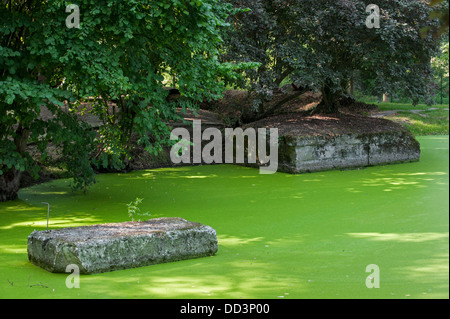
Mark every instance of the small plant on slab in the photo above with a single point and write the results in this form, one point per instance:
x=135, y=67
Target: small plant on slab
x=133, y=209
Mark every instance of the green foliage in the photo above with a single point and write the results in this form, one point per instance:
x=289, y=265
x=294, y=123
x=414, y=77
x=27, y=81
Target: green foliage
x=440, y=64
x=30, y=85
x=117, y=58
x=133, y=208
x=138, y=42
x=439, y=80
x=324, y=44
x=440, y=11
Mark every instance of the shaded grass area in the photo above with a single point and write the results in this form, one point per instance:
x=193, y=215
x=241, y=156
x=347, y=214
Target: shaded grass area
x=280, y=236
x=431, y=122
x=376, y=100
x=409, y=106
x=420, y=119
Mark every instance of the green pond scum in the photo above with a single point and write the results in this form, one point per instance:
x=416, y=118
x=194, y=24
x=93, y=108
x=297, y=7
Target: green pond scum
x=280, y=236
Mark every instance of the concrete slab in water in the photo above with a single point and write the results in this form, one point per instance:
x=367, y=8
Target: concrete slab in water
x=108, y=247
x=299, y=154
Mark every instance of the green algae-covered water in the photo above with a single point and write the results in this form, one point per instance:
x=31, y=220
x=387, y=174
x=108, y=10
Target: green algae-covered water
x=280, y=236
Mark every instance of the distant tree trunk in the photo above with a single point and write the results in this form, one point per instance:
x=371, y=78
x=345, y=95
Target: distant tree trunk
x=351, y=87
x=385, y=98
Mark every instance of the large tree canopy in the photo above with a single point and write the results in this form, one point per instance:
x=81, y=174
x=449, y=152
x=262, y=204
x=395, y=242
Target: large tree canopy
x=322, y=44
x=119, y=57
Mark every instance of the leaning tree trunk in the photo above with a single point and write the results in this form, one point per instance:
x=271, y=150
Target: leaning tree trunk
x=9, y=185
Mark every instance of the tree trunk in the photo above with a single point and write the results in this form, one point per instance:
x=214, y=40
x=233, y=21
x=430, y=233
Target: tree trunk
x=9, y=185
x=329, y=103
x=351, y=87
x=277, y=106
x=10, y=179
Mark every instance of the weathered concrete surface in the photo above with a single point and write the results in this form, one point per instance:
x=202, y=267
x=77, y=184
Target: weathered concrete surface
x=108, y=247
x=339, y=141
x=299, y=154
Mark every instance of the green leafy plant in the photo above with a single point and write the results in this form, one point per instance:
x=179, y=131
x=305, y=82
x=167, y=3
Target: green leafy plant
x=133, y=209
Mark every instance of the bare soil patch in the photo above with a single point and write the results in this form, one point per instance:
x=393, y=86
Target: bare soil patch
x=299, y=124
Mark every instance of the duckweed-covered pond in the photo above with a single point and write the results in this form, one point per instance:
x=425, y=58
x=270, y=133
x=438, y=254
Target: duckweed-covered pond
x=280, y=236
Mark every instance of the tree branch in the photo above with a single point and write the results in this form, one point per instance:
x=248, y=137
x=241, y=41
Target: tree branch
x=273, y=108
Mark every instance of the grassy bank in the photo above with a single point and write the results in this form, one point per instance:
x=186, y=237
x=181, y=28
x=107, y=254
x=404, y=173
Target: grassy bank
x=427, y=123
x=419, y=119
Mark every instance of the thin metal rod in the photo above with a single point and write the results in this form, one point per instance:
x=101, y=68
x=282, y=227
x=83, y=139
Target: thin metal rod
x=48, y=212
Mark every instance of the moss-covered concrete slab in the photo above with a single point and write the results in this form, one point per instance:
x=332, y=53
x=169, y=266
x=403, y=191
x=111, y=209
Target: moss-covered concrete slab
x=319, y=143
x=299, y=154
x=108, y=247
